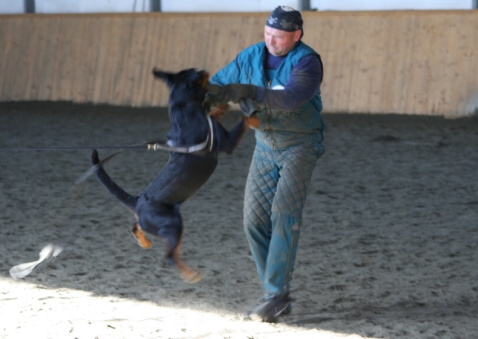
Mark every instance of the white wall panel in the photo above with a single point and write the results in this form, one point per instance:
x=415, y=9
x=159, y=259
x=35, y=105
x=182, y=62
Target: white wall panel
x=354, y=5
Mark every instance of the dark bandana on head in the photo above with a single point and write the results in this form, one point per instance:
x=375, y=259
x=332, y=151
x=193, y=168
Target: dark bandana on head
x=285, y=18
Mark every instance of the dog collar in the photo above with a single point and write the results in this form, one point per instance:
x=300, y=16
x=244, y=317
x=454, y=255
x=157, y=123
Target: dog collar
x=189, y=149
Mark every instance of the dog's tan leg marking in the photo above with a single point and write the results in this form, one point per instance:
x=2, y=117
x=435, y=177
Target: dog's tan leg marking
x=141, y=237
x=188, y=274
x=219, y=111
x=252, y=122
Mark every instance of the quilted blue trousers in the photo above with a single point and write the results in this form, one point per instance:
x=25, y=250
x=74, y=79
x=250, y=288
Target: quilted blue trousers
x=274, y=198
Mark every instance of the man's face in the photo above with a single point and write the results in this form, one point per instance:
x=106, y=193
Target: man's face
x=279, y=42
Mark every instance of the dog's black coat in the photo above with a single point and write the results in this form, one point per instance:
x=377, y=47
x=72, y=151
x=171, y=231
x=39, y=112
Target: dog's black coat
x=157, y=207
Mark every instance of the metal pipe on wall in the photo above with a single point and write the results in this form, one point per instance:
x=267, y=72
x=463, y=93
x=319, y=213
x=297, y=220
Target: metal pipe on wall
x=305, y=5
x=29, y=6
x=155, y=5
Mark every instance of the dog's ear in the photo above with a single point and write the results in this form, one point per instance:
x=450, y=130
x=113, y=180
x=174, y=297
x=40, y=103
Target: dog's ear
x=165, y=76
x=203, y=78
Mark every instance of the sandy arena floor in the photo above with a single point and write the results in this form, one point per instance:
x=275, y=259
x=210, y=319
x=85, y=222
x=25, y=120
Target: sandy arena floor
x=389, y=248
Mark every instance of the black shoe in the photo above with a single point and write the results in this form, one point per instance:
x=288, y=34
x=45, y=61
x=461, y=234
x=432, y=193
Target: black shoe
x=272, y=308
x=288, y=309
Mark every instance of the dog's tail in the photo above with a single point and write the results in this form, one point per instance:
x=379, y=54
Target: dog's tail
x=124, y=197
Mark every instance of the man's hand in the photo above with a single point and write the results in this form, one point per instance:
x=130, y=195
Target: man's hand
x=232, y=92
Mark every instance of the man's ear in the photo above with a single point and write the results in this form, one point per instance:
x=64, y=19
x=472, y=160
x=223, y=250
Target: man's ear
x=297, y=35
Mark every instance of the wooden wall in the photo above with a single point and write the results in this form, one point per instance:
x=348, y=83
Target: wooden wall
x=413, y=62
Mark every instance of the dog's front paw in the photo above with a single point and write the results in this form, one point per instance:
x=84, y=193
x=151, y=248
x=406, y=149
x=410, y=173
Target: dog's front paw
x=219, y=111
x=252, y=121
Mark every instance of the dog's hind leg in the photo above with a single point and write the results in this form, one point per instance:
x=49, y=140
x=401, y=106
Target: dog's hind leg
x=173, y=258
x=141, y=237
x=166, y=222
x=188, y=274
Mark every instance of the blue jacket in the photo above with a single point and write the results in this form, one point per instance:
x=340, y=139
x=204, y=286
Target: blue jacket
x=279, y=129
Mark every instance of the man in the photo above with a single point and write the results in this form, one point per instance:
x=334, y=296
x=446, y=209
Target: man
x=277, y=83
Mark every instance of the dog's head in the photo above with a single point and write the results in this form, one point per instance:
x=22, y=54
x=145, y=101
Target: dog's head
x=188, y=84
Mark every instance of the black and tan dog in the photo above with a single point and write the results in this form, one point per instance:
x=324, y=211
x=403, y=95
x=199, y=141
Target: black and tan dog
x=196, y=139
